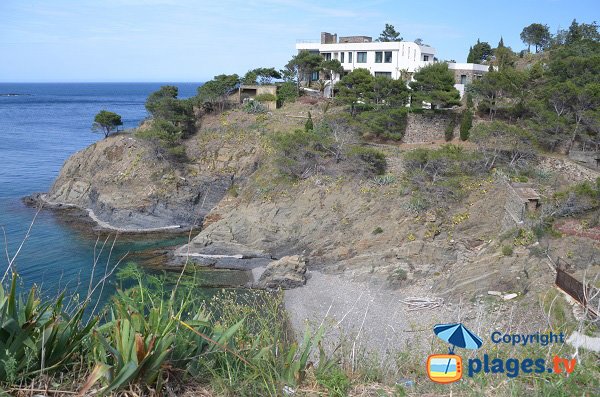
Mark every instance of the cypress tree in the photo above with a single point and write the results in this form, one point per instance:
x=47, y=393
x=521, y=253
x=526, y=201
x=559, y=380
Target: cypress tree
x=470, y=56
x=466, y=123
x=309, y=126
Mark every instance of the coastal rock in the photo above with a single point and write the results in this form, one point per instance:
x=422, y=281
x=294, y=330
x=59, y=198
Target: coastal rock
x=287, y=273
x=129, y=184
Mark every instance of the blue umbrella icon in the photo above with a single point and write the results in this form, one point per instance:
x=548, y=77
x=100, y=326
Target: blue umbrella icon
x=458, y=336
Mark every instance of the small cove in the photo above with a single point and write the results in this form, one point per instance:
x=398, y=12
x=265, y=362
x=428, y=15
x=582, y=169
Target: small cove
x=41, y=125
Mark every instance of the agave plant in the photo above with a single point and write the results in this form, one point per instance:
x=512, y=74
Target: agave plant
x=37, y=337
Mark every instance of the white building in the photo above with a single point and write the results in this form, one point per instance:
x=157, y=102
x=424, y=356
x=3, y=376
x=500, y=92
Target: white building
x=391, y=59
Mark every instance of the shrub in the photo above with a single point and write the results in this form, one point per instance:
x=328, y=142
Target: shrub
x=449, y=132
x=386, y=123
x=168, y=136
x=265, y=98
x=377, y=230
x=466, y=123
x=373, y=158
x=287, y=93
x=335, y=381
x=507, y=250
x=254, y=107
x=309, y=125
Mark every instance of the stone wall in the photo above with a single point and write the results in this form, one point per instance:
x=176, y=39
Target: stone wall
x=588, y=158
x=428, y=126
x=356, y=39
x=472, y=75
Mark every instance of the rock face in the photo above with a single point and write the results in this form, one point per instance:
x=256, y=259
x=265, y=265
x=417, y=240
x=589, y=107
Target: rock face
x=128, y=184
x=287, y=273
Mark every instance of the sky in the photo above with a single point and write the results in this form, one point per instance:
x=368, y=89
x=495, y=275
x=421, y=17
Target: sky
x=194, y=40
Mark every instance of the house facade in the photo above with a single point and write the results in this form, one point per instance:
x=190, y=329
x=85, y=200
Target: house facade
x=466, y=73
x=389, y=59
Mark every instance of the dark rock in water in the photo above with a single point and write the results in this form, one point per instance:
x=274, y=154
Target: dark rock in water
x=287, y=273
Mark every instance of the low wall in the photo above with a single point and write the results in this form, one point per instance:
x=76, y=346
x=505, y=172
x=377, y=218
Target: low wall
x=429, y=126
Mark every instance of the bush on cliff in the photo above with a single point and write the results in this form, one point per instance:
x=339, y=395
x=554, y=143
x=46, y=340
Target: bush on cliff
x=385, y=123
x=164, y=105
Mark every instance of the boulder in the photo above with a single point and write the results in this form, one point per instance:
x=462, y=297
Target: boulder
x=287, y=273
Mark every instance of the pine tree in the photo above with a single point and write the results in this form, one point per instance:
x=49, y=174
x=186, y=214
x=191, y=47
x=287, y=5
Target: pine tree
x=501, y=42
x=470, y=56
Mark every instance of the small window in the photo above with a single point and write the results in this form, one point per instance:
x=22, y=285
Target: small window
x=388, y=57
x=426, y=58
x=314, y=76
x=327, y=56
x=383, y=74
x=378, y=56
x=349, y=57
x=342, y=57
x=463, y=79
x=361, y=57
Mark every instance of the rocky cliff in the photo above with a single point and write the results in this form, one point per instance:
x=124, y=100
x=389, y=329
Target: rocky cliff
x=128, y=183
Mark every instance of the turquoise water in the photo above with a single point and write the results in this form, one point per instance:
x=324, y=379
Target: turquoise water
x=40, y=127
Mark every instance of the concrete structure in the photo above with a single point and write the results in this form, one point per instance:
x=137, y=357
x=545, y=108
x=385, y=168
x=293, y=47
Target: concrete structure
x=249, y=92
x=390, y=59
x=466, y=73
x=522, y=205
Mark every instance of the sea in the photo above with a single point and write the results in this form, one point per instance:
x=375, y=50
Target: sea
x=41, y=125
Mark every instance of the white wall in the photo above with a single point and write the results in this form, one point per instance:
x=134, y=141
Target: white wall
x=405, y=55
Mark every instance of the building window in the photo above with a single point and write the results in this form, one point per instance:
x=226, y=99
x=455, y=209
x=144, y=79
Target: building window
x=327, y=56
x=383, y=74
x=349, y=57
x=361, y=57
x=314, y=76
x=342, y=57
x=378, y=56
x=388, y=57
x=402, y=49
x=426, y=58
x=463, y=79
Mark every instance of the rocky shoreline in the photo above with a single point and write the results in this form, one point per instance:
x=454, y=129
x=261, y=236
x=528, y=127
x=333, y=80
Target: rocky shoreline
x=41, y=200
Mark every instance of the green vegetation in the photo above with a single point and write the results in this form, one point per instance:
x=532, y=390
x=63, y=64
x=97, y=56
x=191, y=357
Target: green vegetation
x=213, y=95
x=436, y=177
x=373, y=159
x=559, y=98
x=309, y=125
x=361, y=91
x=507, y=250
x=479, y=52
x=449, y=131
x=265, y=98
x=172, y=121
x=466, y=122
x=377, y=230
x=386, y=123
x=301, y=66
x=261, y=76
x=287, y=93
x=434, y=84
x=389, y=34
x=536, y=34
x=106, y=122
